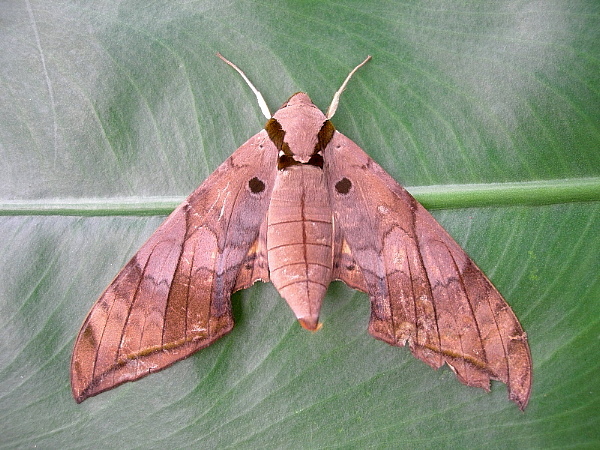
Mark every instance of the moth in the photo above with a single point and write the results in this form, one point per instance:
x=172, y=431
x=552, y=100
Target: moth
x=299, y=204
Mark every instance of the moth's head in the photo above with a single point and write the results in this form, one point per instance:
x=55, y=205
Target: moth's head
x=300, y=131
x=298, y=99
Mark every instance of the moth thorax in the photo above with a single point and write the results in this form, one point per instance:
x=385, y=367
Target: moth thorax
x=295, y=128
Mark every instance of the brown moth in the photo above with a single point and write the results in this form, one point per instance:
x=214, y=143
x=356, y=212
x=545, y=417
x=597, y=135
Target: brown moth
x=300, y=204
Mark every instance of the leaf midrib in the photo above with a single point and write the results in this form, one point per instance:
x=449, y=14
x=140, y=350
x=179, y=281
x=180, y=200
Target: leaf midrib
x=456, y=196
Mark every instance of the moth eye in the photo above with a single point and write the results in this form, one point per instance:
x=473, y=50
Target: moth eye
x=343, y=186
x=256, y=186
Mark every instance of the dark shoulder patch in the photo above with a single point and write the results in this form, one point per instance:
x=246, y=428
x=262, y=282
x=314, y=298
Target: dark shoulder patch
x=275, y=132
x=324, y=136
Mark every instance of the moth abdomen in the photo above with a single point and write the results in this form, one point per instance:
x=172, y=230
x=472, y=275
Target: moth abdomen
x=300, y=241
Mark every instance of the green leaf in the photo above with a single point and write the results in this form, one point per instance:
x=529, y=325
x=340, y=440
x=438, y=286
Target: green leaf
x=111, y=111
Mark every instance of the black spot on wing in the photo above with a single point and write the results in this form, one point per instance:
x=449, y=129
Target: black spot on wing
x=256, y=186
x=343, y=186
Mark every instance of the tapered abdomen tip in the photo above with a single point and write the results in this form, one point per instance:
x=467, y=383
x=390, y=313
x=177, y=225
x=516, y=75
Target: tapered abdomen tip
x=310, y=323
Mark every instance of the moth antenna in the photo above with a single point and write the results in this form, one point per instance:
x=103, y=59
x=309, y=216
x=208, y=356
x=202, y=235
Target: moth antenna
x=336, y=97
x=261, y=101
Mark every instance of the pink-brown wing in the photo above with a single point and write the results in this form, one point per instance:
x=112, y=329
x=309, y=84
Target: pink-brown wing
x=173, y=297
x=423, y=287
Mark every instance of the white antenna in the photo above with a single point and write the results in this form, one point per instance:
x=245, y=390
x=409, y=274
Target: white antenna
x=261, y=101
x=336, y=97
